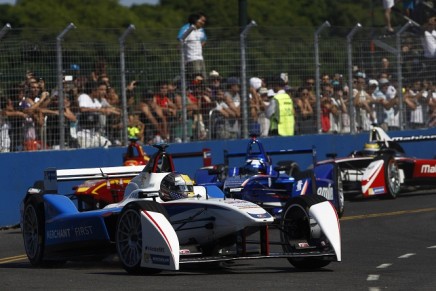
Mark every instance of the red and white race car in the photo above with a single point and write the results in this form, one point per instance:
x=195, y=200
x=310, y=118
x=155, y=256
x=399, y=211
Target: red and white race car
x=382, y=168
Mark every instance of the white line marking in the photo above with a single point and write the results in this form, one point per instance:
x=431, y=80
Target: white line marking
x=405, y=256
x=372, y=277
x=383, y=266
x=432, y=247
x=374, y=289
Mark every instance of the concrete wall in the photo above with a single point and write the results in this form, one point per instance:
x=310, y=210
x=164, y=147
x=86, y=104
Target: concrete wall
x=18, y=171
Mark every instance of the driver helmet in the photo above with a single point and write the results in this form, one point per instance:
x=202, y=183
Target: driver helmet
x=371, y=148
x=176, y=186
x=255, y=166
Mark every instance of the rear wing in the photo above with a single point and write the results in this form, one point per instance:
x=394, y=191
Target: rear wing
x=311, y=151
x=378, y=134
x=53, y=176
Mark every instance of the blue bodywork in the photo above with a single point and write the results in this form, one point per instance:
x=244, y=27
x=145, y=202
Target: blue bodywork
x=270, y=186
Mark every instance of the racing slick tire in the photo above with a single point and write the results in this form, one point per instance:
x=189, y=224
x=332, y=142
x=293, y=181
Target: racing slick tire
x=339, y=190
x=129, y=236
x=392, y=176
x=295, y=227
x=33, y=229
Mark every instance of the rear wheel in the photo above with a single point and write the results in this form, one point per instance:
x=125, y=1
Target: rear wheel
x=296, y=230
x=129, y=236
x=33, y=230
x=392, y=177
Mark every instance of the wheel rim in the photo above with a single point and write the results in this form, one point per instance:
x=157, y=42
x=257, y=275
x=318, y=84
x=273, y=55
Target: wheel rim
x=31, y=231
x=294, y=225
x=393, y=178
x=129, y=238
x=340, y=194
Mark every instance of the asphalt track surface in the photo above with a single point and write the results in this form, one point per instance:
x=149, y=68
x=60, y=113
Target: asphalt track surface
x=386, y=245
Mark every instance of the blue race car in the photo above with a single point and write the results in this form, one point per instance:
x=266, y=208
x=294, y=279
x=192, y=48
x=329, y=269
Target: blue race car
x=272, y=186
x=164, y=221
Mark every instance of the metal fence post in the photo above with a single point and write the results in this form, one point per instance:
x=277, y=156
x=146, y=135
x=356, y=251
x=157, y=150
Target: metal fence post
x=123, y=82
x=61, y=85
x=350, y=76
x=183, y=81
x=4, y=30
x=317, y=74
x=400, y=73
x=244, y=101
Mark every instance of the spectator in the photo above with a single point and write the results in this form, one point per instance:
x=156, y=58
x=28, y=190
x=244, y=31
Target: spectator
x=305, y=117
x=89, y=120
x=14, y=116
x=391, y=105
x=33, y=105
x=223, y=115
x=362, y=103
x=194, y=43
x=339, y=116
x=135, y=128
x=429, y=45
x=52, y=128
x=192, y=114
x=214, y=83
x=328, y=109
x=164, y=107
x=281, y=111
x=153, y=128
x=379, y=103
x=262, y=119
x=255, y=104
x=309, y=83
x=114, y=123
x=387, y=5
x=414, y=99
x=5, y=140
x=232, y=93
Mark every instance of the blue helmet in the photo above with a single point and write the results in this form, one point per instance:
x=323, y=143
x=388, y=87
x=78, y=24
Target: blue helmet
x=255, y=166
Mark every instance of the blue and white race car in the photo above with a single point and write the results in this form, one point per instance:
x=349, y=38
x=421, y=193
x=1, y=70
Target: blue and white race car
x=164, y=221
x=272, y=186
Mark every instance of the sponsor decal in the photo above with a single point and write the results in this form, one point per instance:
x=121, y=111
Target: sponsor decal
x=58, y=233
x=260, y=215
x=154, y=249
x=376, y=190
x=413, y=138
x=160, y=260
x=299, y=185
x=83, y=230
x=326, y=192
x=303, y=245
x=428, y=169
x=184, y=252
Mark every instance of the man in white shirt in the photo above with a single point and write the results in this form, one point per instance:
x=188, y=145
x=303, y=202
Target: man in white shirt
x=194, y=43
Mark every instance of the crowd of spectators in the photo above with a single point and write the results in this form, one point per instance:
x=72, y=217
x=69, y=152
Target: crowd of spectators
x=92, y=109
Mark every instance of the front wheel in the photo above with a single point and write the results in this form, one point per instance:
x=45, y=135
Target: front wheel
x=129, y=236
x=392, y=177
x=33, y=230
x=296, y=230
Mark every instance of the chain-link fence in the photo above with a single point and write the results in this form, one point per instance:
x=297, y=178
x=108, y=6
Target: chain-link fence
x=112, y=85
